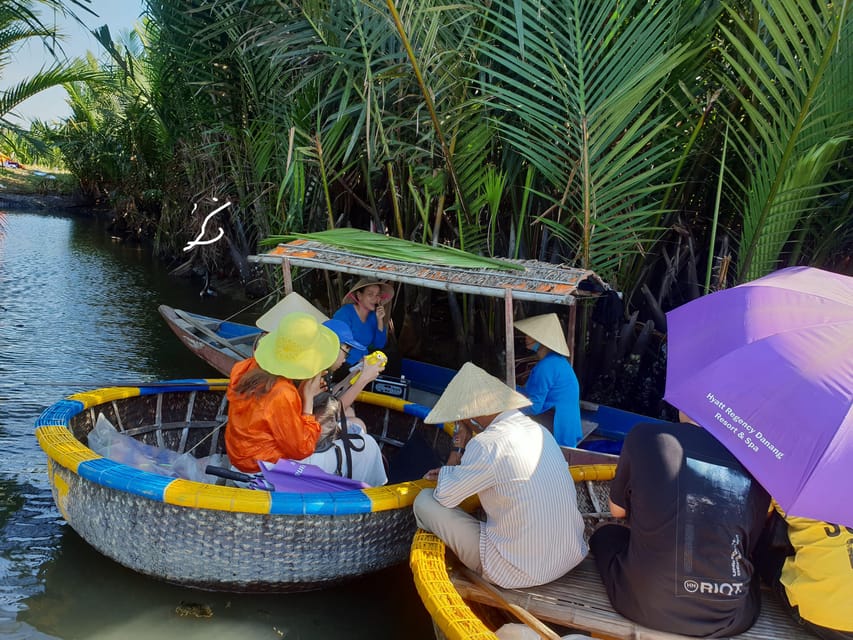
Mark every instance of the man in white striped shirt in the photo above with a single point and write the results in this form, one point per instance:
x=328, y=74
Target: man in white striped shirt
x=533, y=532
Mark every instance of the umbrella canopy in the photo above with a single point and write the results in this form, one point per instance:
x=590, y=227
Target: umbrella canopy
x=299, y=477
x=767, y=367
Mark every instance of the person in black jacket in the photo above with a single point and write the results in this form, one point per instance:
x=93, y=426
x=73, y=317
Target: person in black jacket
x=694, y=515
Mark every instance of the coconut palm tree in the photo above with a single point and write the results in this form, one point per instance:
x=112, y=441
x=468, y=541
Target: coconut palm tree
x=584, y=93
x=20, y=22
x=115, y=141
x=789, y=67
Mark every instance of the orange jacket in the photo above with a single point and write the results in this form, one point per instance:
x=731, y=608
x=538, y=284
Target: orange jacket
x=267, y=428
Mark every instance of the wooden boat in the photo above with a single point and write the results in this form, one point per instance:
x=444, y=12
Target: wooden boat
x=222, y=343
x=219, y=343
x=461, y=607
x=221, y=537
x=510, y=281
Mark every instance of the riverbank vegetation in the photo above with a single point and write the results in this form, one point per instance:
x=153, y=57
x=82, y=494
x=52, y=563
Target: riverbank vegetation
x=672, y=147
x=37, y=180
x=22, y=21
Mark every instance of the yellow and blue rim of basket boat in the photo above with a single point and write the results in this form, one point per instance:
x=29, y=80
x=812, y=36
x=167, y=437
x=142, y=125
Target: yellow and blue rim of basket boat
x=64, y=449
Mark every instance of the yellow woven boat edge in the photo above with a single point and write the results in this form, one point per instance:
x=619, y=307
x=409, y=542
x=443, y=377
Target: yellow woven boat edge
x=396, y=496
x=586, y=472
x=62, y=447
x=446, y=607
x=185, y=493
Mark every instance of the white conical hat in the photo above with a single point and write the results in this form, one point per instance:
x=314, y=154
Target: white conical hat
x=471, y=393
x=546, y=330
x=386, y=290
x=288, y=304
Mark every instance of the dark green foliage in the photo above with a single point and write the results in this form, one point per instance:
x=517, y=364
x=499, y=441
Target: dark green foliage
x=578, y=131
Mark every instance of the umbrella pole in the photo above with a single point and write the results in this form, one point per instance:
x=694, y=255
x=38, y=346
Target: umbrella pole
x=570, y=331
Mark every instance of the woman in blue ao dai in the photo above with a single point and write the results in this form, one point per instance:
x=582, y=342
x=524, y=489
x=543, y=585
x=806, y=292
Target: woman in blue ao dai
x=552, y=384
x=363, y=310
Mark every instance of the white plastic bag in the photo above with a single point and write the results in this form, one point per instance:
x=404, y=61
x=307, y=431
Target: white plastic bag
x=107, y=441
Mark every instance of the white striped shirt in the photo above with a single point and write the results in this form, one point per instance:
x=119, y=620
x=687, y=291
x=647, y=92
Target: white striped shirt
x=533, y=532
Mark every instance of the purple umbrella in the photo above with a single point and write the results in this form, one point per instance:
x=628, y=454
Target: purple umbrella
x=767, y=367
x=289, y=476
x=299, y=477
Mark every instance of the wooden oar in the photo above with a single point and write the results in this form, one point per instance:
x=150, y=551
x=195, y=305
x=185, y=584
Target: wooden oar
x=520, y=612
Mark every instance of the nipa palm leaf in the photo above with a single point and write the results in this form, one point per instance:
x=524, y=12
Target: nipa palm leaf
x=381, y=246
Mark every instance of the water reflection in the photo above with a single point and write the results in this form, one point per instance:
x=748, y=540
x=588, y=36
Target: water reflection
x=29, y=531
x=78, y=580
x=79, y=311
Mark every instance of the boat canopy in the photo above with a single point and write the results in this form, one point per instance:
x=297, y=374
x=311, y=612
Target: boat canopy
x=524, y=280
x=534, y=281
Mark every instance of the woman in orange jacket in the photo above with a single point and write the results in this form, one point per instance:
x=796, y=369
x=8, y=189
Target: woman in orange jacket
x=269, y=415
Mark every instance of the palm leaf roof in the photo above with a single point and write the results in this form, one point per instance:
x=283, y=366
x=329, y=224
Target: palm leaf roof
x=366, y=254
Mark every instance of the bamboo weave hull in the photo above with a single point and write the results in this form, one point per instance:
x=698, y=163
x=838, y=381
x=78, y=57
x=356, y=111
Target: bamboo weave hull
x=207, y=536
x=460, y=609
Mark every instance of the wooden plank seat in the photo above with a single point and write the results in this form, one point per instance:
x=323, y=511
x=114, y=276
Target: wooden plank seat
x=249, y=339
x=578, y=601
x=242, y=346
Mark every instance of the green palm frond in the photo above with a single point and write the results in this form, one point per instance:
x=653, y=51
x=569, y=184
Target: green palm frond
x=473, y=145
x=381, y=246
x=54, y=76
x=24, y=20
x=12, y=35
x=790, y=70
x=578, y=90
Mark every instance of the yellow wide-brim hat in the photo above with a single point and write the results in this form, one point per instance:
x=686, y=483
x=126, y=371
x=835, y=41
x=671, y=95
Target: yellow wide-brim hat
x=471, y=393
x=288, y=304
x=299, y=348
x=546, y=330
x=386, y=291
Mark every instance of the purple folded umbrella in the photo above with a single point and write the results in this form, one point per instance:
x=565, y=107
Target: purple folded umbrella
x=299, y=477
x=767, y=368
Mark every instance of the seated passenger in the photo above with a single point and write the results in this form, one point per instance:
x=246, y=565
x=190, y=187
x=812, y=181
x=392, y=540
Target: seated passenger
x=552, y=385
x=810, y=566
x=694, y=514
x=363, y=310
x=533, y=532
x=346, y=390
x=332, y=454
x=269, y=417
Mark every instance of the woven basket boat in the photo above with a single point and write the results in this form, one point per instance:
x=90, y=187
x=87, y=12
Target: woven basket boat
x=453, y=616
x=218, y=537
x=463, y=610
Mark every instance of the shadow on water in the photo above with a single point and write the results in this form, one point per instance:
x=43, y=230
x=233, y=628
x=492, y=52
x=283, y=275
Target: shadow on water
x=78, y=311
x=87, y=596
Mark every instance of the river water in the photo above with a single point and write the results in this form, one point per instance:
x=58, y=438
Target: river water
x=79, y=311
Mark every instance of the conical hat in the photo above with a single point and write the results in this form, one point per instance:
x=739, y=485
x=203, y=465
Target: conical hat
x=386, y=291
x=299, y=348
x=471, y=393
x=546, y=330
x=288, y=304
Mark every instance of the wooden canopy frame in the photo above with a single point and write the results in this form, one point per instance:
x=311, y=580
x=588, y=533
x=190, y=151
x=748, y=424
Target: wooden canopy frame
x=536, y=281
